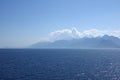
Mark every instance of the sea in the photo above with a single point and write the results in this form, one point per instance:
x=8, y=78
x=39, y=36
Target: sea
x=59, y=64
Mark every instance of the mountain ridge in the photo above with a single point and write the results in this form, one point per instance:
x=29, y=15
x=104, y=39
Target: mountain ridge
x=86, y=42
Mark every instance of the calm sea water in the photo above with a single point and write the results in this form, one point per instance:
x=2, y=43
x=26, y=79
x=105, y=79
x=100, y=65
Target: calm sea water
x=59, y=64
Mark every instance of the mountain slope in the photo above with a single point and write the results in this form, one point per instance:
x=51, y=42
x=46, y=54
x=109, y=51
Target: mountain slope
x=98, y=42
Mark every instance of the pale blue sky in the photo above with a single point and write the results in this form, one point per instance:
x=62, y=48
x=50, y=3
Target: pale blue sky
x=23, y=22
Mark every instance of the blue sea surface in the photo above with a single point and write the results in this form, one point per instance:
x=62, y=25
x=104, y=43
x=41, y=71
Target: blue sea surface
x=59, y=64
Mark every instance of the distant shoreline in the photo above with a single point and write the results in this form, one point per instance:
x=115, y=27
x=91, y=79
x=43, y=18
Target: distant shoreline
x=63, y=48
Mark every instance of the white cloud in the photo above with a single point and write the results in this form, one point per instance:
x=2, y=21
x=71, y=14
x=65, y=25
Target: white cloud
x=76, y=33
x=115, y=33
x=93, y=33
x=73, y=33
x=61, y=34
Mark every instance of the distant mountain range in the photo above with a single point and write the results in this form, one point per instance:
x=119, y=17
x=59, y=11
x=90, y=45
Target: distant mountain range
x=97, y=42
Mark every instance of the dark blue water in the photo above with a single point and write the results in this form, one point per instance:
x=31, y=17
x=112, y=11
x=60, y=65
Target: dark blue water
x=59, y=64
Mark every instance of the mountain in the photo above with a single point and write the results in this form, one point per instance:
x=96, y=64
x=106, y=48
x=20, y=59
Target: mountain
x=86, y=42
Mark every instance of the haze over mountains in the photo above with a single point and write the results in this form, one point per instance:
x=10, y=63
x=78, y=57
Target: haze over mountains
x=74, y=39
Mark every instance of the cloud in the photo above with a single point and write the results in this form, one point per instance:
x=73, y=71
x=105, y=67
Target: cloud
x=93, y=33
x=73, y=33
x=115, y=33
x=61, y=34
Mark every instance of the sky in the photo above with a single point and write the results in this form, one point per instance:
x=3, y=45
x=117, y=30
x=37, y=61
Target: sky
x=24, y=22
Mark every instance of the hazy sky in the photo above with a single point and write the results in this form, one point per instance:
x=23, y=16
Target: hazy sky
x=23, y=22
